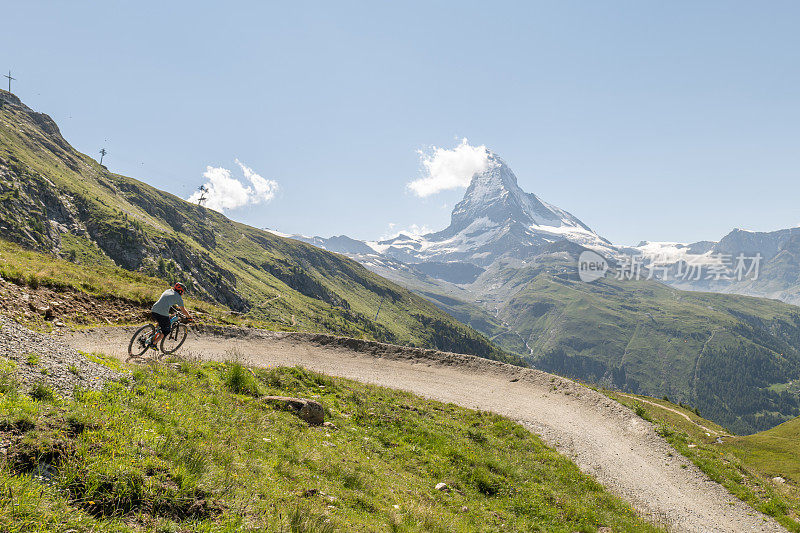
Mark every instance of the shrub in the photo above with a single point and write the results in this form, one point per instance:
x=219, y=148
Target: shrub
x=664, y=431
x=43, y=393
x=642, y=412
x=238, y=379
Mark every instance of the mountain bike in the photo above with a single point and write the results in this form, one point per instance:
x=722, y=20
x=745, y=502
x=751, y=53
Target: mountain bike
x=140, y=342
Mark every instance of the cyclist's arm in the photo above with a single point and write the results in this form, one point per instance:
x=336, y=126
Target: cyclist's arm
x=184, y=311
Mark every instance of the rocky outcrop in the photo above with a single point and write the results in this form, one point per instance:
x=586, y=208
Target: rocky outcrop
x=305, y=409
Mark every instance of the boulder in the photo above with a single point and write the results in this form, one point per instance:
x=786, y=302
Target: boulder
x=44, y=310
x=309, y=410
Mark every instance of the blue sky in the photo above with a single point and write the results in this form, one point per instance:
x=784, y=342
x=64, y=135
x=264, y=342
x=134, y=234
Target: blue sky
x=647, y=120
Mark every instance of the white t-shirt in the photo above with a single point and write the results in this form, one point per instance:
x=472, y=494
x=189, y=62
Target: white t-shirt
x=168, y=298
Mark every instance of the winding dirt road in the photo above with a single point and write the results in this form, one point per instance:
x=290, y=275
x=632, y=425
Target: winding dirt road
x=603, y=438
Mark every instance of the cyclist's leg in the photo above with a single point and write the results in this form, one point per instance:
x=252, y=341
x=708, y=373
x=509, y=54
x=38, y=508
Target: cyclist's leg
x=163, y=328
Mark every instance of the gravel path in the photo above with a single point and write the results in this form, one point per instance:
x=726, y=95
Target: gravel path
x=39, y=358
x=603, y=438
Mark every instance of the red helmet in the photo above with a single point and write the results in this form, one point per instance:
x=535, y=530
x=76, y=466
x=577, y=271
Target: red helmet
x=180, y=287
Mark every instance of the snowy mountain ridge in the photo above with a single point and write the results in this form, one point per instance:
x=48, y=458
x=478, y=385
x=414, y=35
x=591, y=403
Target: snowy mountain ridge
x=498, y=222
x=496, y=218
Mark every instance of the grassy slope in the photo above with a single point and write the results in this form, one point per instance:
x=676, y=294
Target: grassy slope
x=743, y=465
x=722, y=353
x=44, y=181
x=776, y=452
x=177, y=449
x=102, y=282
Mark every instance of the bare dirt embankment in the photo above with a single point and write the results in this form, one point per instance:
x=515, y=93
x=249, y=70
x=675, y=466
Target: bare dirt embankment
x=603, y=438
x=44, y=305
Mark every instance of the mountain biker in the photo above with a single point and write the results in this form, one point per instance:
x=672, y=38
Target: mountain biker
x=169, y=298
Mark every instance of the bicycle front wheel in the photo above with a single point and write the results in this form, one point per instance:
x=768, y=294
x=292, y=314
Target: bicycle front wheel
x=175, y=339
x=141, y=340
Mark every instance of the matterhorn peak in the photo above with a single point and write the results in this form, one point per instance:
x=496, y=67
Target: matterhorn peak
x=494, y=182
x=496, y=218
x=494, y=194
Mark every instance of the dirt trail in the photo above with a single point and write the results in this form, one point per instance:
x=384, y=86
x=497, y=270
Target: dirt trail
x=709, y=431
x=603, y=438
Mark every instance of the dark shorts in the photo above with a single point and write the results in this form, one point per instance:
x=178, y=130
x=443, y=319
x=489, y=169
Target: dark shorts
x=163, y=323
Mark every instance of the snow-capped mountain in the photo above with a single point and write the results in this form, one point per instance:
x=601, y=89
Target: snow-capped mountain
x=768, y=244
x=496, y=218
x=777, y=274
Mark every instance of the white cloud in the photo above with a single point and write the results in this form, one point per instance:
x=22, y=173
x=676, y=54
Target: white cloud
x=449, y=169
x=223, y=191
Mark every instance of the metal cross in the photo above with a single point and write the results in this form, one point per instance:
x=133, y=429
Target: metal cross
x=9, y=80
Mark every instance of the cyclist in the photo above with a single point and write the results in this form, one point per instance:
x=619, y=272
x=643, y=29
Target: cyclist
x=170, y=297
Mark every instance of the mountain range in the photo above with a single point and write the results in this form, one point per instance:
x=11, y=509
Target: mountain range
x=497, y=220
x=778, y=269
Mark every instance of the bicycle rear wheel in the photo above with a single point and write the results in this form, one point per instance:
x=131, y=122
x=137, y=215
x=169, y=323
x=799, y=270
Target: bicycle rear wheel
x=175, y=339
x=141, y=340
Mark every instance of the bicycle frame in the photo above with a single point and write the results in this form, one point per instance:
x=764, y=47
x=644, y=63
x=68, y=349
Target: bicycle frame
x=177, y=333
x=172, y=320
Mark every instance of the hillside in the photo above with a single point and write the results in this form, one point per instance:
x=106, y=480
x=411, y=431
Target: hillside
x=734, y=357
x=776, y=452
x=56, y=200
x=731, y=356
x=194, y=447
x=455, y=300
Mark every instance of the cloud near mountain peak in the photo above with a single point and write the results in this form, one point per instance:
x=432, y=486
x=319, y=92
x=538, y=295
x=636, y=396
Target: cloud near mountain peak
x=444, y=169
